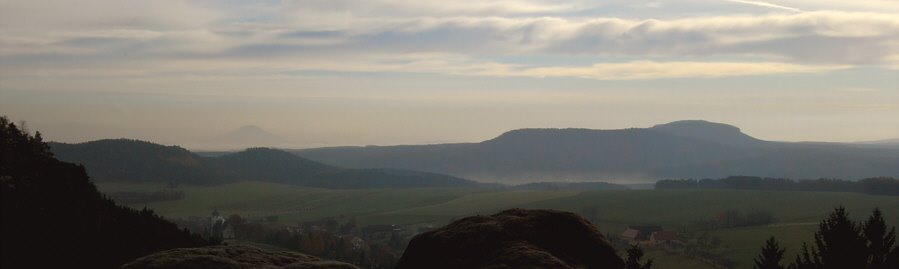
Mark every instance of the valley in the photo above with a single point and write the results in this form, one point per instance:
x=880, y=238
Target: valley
x=611, y=210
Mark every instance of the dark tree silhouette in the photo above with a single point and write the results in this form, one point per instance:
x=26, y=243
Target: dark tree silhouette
x=841, y=243
x=880, y=242
x=806, y=259
x=771, y=255
x=54, y=217
x=634, y=255
x=838, y=244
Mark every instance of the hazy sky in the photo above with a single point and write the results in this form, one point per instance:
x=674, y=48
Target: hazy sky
x=343, y=72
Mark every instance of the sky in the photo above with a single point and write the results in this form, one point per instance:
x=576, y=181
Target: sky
x=384, y=72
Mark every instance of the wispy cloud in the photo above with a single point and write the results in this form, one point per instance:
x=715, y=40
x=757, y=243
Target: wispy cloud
x=766, y=4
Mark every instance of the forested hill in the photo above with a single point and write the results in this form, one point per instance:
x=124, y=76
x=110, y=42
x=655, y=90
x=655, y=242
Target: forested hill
x=682, y=149
x=132, y=160
x=54, y=217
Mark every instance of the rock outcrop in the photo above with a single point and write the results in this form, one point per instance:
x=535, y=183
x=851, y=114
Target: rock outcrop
x=513, y=239
x=232, y=257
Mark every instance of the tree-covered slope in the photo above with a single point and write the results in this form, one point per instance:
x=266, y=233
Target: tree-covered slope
x=117, y=159
x=54, y=217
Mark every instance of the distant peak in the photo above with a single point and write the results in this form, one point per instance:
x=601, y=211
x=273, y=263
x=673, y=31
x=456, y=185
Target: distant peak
x=249, y=128
x=706, y=130
x=248, y=136
x=696, y=124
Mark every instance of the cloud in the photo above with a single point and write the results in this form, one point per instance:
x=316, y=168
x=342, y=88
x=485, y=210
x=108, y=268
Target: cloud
x=862, y=37
x=430, y=63
x=495, y=38
x=387, y=8
x=766, y=4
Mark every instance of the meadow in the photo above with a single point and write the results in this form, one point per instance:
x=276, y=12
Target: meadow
x=796, y=213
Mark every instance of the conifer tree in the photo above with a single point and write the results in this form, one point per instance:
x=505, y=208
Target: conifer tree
x=771, y=255
x=839, y=242
x=880, y=242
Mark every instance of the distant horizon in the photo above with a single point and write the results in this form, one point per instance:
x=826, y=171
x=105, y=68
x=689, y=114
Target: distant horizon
x=287, y=145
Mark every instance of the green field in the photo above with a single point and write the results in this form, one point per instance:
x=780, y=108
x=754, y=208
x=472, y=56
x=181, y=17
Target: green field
x=796, y=212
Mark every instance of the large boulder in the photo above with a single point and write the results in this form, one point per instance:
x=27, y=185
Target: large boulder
x=513, y=239
x=232, y=257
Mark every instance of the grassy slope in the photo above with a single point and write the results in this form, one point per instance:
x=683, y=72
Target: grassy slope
x=437, y=206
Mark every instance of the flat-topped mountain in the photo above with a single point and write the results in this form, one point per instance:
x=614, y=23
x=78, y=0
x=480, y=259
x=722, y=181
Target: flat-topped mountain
x=708, y=131
x=132, y=160
x=682, y=149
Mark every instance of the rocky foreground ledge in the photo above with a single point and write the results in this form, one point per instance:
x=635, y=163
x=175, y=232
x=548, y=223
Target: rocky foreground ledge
x=513, y=239
x=232, y=257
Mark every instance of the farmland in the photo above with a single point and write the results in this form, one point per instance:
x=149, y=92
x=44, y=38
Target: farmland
x=796, y=213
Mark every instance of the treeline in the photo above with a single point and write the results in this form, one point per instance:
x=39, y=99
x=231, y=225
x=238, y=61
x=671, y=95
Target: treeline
x=54, y=217
x=878, y=185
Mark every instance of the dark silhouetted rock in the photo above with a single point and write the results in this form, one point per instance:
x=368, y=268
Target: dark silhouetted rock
x=515, y=238
x=233, y=256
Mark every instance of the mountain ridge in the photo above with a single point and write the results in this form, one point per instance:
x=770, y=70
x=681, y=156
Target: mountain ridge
x=135, y=160
x=690, y=149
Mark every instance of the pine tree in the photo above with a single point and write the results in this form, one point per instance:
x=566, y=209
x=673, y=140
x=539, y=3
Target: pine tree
x=839, y=242
x=634, y=255
x=880, y=242
x=771, y=255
